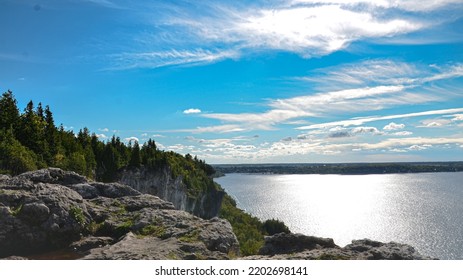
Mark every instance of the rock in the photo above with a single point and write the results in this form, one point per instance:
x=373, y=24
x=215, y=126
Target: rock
x=53, y=176
x=52, y=213
x=36, y=216
x=287, y=243
x=84, y=245
x=323, y=249
x=374, y=250
x=132, y=247
x=160, y=183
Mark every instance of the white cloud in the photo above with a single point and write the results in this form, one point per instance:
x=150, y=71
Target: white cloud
x=417, y=148
x=379, y=71
x=101, y=136
x=435, y=122
x=394, y=126
x=158, y=136
x=457, y=117
x=406, y=5
x=359, y=130
x=360, y=121
x=103, y=129
x=213, y=129
x=133, y=139
x=192, y=111
x=402, y=133
x=315, y=29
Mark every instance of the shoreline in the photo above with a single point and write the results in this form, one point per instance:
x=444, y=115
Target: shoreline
x=339, y=168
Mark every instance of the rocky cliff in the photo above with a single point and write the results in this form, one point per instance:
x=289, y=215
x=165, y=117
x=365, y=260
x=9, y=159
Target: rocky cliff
x=54, y=214
x=290, y=246
x=160, y=182
x=52, y=210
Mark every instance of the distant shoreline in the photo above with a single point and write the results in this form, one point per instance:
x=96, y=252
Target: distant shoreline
x=340, y=168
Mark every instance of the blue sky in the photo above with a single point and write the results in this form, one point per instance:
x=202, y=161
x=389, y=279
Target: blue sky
x=247, y=81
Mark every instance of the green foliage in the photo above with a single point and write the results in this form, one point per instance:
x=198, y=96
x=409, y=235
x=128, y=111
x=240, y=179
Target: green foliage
x=94, y=227
x=135, y=157
x=124, y=227
x=273, y=226
x=190, y=237
x=154, y=230
x=9, y=113
x=15, y=158
x=248, y=229
x=16, y=210
x=78, y=215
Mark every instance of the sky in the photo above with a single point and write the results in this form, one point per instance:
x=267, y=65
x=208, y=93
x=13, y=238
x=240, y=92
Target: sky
x=267, y=81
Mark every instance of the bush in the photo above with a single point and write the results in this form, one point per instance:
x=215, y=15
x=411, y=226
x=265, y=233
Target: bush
x=273, y=226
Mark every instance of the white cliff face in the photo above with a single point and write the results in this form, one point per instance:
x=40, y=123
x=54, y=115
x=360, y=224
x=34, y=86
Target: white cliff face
x=160, y=183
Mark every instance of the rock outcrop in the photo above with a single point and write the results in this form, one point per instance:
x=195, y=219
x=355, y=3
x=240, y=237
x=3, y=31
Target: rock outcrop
x=51, y=209
x=54, y=214
x=290, y=246
x=205, y=204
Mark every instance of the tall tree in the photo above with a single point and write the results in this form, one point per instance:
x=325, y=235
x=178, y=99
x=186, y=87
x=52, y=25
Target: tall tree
x=135, y=158
x=51, y=137
x=9, y=113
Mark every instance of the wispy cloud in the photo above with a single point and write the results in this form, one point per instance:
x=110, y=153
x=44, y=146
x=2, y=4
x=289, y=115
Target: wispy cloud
x=212, y=31
x=157, y=59
x=360, y=99
x=361, y=121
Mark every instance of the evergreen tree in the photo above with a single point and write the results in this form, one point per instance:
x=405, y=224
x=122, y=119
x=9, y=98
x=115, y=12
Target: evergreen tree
x=9, y=113
x=135, y=158
x=31, y=133
x=51, y=137
x=149, y=154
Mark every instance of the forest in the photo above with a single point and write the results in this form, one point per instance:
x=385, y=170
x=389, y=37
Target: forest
x=30, y=140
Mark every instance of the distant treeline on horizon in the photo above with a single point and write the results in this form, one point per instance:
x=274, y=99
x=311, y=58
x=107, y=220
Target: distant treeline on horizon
x=341, y=168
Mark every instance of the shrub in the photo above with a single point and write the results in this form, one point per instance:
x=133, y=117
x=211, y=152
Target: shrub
x=274, y=226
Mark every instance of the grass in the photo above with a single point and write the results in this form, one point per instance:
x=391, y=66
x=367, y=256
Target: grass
x=190, y=237
x=154, y=230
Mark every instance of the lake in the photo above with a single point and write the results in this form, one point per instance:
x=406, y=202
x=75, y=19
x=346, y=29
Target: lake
x=424, y=210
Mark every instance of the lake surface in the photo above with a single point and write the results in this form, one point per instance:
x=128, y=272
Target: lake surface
x=424, y=210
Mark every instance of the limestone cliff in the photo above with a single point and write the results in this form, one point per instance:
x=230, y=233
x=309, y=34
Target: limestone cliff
x=160, y=182
x=48, y=210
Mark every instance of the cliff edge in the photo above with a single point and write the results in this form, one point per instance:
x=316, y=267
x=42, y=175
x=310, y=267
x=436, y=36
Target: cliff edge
x=204, y=203
x=56, y=214
x=52, y=213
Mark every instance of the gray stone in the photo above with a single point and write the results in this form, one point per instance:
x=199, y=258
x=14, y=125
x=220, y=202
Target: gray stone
x=205, y=204
x=286, y=243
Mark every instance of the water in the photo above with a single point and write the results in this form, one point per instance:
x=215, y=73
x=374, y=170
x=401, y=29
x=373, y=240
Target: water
x=424, y=210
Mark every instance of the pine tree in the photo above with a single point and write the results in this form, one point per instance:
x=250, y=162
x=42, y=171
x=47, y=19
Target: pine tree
x=135, y=158
x=9, y=113
x=51, y=137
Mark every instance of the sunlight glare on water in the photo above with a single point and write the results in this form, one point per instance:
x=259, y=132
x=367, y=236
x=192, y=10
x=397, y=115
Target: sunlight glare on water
x=423, y=210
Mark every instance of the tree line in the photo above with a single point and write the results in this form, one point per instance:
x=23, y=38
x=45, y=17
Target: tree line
x=30, y=140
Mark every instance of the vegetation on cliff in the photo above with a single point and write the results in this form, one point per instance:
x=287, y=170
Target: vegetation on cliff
x=31, y=140
x=249, y=230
